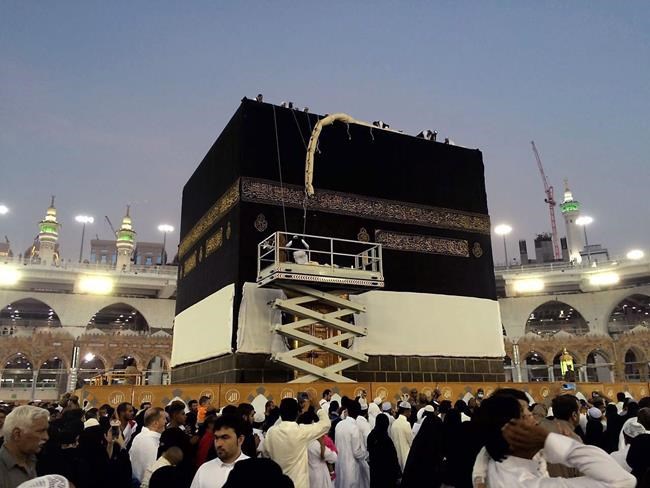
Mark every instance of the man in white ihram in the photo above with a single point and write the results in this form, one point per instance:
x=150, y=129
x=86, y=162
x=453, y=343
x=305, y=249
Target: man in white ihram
x=228, y=439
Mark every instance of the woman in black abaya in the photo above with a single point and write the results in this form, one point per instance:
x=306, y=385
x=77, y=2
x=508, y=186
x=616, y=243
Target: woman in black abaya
x=424, y=463
x=384, y=467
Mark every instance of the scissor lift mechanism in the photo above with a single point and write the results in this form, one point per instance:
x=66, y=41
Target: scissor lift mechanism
x=302, y=271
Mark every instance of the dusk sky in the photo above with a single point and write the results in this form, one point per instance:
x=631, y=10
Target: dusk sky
x=108, y=103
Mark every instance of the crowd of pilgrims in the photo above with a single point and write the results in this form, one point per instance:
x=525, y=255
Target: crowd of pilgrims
x=500, y=440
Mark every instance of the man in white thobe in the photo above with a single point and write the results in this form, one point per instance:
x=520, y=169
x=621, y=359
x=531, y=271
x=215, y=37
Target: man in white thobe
x=144, y=450
x=401, y=434
x=364, y=427
x=352, y=470
x=229, y=435
x=319, y=456
x=515, y=461
x=287, y=442
x=630, y=431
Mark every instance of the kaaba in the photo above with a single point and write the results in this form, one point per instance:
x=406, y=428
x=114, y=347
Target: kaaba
x=425, y=202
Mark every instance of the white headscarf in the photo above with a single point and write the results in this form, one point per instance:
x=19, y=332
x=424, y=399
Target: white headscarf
x=373, y=411
x=49, y=481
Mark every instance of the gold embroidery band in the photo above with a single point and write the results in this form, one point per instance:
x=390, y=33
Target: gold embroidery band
x=189, y=264
x=214, y=242
x=420, y=243
x=220, y=208
x=269, y=192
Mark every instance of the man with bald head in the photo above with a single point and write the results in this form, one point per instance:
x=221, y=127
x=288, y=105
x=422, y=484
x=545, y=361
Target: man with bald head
x=144, y=450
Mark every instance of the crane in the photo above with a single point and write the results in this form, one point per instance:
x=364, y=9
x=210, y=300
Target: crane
x=548, y=189
x=110, y=224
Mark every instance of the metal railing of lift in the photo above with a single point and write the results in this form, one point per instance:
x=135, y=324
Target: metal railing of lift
x=370, y=258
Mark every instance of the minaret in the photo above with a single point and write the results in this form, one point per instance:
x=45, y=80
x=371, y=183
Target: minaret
x=571, y=211
x=48, y=235
x=125, y=243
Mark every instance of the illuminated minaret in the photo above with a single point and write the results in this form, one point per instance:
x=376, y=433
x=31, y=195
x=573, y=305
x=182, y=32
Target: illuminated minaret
x=48, y=236
x=571, y=211
x=125, y=243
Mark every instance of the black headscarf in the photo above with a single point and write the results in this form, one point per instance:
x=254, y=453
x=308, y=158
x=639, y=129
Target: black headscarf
x=424, y=463
x=257, y=472
x=384, y=466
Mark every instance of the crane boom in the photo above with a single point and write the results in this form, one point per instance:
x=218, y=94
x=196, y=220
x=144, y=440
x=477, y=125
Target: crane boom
x=548, y=190
x=110, y=224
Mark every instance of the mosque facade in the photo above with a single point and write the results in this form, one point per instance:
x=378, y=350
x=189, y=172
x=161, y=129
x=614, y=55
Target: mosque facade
x=64, y=324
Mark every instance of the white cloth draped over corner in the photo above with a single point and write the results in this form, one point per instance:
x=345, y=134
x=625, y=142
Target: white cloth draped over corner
x=319, y=474
x=598, y=469
x=210, y=320
x=402, y=436
x=352, y=470
x=256, y=317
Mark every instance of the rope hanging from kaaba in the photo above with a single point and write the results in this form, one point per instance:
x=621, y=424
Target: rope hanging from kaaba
x=313, y=144
x=277, y=146
x=304, y=200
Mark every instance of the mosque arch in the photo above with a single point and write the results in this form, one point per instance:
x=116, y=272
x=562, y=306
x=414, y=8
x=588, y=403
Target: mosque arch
x=118, y=317
x=554, y=316
x=635, y=365
x=507, y=368
x=17, y=371
x=536, y=367
x=557, y=369
x=157, y=370
x=632, y=311
x=27, y=312
x=122, y=361
x=53, y=373
x=598, y=365
x=91, y=364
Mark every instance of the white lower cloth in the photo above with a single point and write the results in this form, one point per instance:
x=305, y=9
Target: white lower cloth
x=204, y=330
x=398, y=323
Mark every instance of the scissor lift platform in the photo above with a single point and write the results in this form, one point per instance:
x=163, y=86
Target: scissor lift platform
x=303, y=266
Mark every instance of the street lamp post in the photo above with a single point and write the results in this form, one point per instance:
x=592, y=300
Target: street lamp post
x=584, y=221
x=164, y=228
x=504, y=230
x=83, y=219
